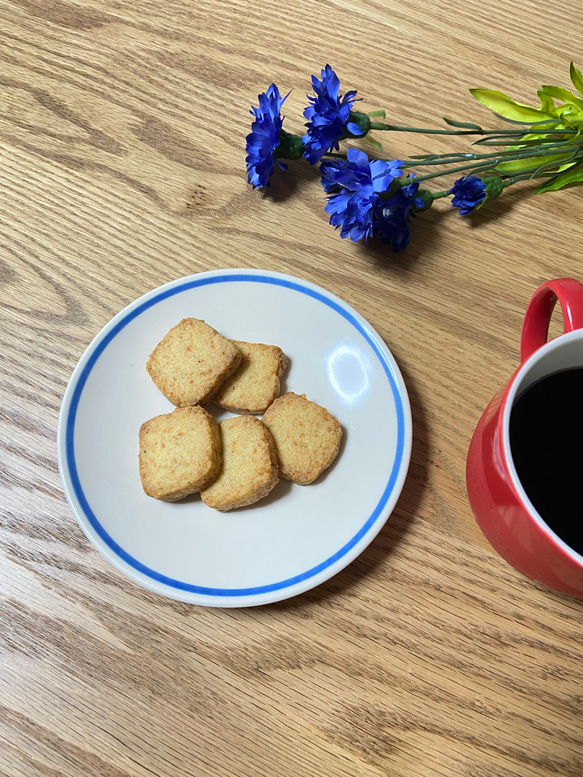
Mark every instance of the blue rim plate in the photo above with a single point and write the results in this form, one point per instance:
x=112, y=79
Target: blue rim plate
x=297, y=537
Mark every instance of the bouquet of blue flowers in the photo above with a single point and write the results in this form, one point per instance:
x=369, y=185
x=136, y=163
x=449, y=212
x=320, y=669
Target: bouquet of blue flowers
x=371, y=195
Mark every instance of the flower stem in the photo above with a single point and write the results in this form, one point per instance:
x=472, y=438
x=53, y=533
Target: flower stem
x=439, y=195
x=530, y=173
x=550, y=148
x=418, y=178
x=497, y=141
x=378, y=125
x=526, y=177
x=510, y=155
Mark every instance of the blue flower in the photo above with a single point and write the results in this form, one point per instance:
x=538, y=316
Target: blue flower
x=328, y=117
x=393, y=214
x=468, y=193
x=354, y=186
x=264, y=139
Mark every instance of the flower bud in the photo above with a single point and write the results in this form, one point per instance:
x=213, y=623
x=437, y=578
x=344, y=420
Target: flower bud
x=363, y=122
x=494, y=186
x=427, y=197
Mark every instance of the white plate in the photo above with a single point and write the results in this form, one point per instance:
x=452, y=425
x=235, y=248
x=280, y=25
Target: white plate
x=297, y=537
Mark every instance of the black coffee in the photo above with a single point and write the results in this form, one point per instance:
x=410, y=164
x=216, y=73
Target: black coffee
x=546, y=441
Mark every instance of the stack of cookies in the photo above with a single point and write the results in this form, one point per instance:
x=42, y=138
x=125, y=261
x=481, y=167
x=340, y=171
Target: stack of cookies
x=240, y=460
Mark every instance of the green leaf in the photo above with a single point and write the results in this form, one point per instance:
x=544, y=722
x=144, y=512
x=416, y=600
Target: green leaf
x=508, y=108
x=374, y=142
x=562, y=94
x=533, y=125
x=572, y=175
x=571, y=117
x=518, y=165
x=494, y=140
x=463, y=125
x=576, y=78
x=546, y=101
x=381, y=113
x=542, y=136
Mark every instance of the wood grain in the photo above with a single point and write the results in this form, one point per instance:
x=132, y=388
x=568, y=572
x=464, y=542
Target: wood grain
x=122, y=167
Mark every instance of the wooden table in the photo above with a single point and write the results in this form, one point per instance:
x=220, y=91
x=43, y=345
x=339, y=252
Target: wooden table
x=122, y=167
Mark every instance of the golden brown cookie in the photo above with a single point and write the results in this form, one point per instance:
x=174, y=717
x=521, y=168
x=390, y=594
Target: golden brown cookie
x=307, y=437
x=180, y=453
x=255, y=383
x=249, y=465
x=191, y=362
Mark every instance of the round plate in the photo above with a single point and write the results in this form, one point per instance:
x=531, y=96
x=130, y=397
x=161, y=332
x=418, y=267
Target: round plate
x=298, y=536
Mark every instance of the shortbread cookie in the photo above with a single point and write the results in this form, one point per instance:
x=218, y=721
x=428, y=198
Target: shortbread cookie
x=180, y=453
x=191, y=362
x=307, y=437
x=255, y=383
x=249, y=465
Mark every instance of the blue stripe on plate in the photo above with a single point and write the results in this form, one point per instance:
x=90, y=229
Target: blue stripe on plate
x=178, y=584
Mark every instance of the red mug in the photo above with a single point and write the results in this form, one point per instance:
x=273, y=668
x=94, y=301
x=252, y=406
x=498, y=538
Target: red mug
x=501, y=506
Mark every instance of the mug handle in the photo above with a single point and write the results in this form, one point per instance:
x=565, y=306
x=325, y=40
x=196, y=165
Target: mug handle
x=538, y=314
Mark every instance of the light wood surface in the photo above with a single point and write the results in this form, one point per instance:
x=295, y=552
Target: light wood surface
x=122, y=129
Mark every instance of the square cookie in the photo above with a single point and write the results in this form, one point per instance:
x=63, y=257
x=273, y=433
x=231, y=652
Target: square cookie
x=307, y=437
x=256, y=382
x=191, y=362
x=249, y=470
x=180, y=453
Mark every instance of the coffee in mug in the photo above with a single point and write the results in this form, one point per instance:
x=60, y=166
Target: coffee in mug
x=546, y=443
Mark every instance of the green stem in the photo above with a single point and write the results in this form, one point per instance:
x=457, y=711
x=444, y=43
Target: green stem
x=529, y=150
x=439, y=195
x=477, y=167
x=494, y=141
x=531, y=172
x=504, y=156
x=527, y=177
x=524, y=175
x=378, y=125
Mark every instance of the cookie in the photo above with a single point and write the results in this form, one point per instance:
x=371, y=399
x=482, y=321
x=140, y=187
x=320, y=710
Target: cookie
x=191, y=362
x=256, y=382
x=180, y=453
x=307, y=437
x=249, y=469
